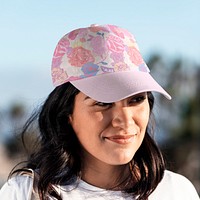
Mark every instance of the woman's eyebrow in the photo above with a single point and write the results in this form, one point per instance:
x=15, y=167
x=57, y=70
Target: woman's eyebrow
x=87, y=97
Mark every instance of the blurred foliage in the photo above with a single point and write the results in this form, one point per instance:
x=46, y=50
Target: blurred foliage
x=178, y=119
x=18, y=144
x=16, y=111
x=181, y=79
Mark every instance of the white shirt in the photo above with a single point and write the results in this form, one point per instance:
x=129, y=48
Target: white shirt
x=172, y=187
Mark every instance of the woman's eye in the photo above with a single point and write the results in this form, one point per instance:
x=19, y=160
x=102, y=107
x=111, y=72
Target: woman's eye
x=138, y=99
x=102, y=104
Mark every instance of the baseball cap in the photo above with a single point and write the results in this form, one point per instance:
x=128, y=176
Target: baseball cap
x=103, y=62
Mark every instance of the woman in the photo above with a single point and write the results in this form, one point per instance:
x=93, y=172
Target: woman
x=96, y=126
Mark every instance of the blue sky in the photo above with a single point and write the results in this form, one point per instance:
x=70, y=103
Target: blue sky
x=30, y=30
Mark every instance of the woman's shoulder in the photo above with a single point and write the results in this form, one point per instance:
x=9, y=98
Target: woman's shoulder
x=174, y=179
x=174, y=186
x=17, y=187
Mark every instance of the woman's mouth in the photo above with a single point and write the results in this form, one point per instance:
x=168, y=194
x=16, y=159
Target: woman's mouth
x=121, y=139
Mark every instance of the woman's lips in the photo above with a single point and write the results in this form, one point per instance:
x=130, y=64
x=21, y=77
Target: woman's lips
x=121, y=139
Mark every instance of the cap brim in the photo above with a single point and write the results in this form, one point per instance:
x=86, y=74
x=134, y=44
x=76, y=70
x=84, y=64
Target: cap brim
x=112, y=87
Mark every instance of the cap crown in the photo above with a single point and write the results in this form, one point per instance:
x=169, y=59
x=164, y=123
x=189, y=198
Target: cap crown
x=94, y=51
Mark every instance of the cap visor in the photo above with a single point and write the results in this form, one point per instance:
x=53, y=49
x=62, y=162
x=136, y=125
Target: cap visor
x=112, y=87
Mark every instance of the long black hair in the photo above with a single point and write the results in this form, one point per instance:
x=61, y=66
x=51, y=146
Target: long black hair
x=58, y=159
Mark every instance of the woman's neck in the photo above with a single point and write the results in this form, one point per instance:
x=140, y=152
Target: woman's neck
x=103, y=175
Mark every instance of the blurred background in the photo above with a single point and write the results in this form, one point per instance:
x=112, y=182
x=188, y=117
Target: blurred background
x=168, y=34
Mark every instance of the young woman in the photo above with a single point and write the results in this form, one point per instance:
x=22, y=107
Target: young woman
x=96, y=127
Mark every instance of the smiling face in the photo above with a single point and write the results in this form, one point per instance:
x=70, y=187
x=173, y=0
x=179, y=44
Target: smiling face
x=110, y=133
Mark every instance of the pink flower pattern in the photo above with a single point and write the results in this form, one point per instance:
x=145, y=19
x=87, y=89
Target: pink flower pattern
x=116, y=31
x=135, y=56
x=121, y=32
x=58, y=75
x=117, y=57
x=97, y=45
x=115, y=44
x=60, y=50
x=72, y=35
x=80, y=56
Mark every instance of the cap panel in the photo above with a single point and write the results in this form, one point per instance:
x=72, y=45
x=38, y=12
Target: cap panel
x=93, y=51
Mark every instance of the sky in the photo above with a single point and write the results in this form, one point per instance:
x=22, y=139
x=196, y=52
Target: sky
x=30, y=30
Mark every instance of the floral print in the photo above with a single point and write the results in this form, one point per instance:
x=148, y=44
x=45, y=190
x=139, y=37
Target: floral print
x=93, y=51
x=117, y=31
x=135, y=56
x=79, y=56
x=72, y=35
x=60, y=50
x=115, y=44
x=90, y=69
x=98, y=46
x=117, y=57
x=58, y=75
x=121, y=66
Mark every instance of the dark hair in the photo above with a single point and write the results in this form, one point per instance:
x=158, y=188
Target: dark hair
x=59, y=145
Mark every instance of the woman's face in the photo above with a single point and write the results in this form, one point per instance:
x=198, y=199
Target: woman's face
x=110, y=133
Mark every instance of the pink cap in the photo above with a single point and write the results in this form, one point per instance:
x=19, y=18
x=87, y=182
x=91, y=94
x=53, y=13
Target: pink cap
x=104, y=63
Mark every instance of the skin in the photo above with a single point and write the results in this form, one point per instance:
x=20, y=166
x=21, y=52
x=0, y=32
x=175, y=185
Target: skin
x=110, y=134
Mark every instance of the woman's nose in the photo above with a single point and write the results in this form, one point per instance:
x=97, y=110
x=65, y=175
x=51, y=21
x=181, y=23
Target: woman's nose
x=123, y=118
